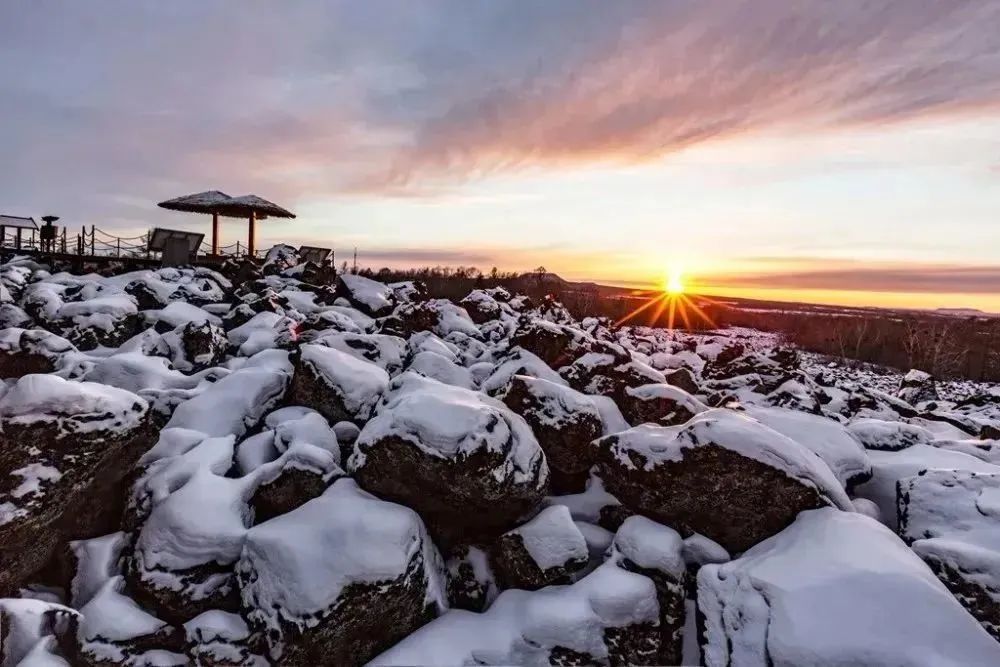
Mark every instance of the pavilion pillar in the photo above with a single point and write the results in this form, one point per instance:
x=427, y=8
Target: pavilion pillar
x=215, y=233
x=252, y=233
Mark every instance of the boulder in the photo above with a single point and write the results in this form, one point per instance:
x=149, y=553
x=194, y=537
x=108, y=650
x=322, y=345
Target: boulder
x=383, y=350
x=829, y=439
x=221, y=639
x=65, y=449
x=339, y=386
x=196, y=346
x=888, y=436
x=546, y=550
x=722, y=474
x=951, y=519
x=917, y=387
x=26, y=623
x=340, y=579
x=835, y=588
x=682, y=378
x=564, y=421
x=28, y=351
x=889, y=467
x=369, y=296
x=610, y=617
x=482, y=306
x=659, y=404
x=464, y=461
x=518, y=361
x=437, y=315
x=557, y=345
x=655, y=551
x=471, y=582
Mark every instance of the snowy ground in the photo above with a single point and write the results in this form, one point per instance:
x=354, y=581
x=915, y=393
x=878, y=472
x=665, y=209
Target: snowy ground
x=257, y=466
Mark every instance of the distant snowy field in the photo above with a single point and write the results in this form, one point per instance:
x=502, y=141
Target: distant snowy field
x=264, y=465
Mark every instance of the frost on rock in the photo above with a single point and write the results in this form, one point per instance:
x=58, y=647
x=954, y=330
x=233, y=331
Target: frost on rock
x=65, y=448
x=723, y=474
x=610, y=617
x=830, y=440
x=951, y=519
x=546, y=550
x=656, y=551
x=835, y=588
x=466, y=463
x=890, y=467
x=339, y=386
x=339, y=579
x=564, y=421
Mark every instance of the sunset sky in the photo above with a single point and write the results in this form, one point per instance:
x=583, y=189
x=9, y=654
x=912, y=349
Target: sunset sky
x=842, y=152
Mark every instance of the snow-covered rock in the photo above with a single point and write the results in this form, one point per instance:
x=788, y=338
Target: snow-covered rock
x=610, y=617
x=722, y=474
x=339, y=386
x=835, y=588
x=656, y=551
x=564, y=421
x=951, y=519
x=659, y=404
x=340, y=579
x=831, y=441
x=464, y=461
x=546, y=550
x=889, y=467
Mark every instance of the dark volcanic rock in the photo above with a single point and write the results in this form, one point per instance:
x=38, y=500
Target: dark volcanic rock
x=917, y=387
x=659, y=404
x=683, y=379
x=471, y=582
x=723, y=475
x=557, y=345
x=655, y=551
x=466, y=463
x=65, y=449
x=366, y=575
x=564, y=421
x=339, y=386
x=544, y=551
x=27, y=351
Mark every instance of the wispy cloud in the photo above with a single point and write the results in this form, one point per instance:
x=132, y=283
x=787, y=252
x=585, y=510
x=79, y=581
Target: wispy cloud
x=871, y=277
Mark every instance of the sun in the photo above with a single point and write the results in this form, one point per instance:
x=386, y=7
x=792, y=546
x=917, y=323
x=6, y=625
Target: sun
x=674, y=281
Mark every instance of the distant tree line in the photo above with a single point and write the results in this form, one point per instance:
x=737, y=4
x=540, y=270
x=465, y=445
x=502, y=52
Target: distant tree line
x=946, y=346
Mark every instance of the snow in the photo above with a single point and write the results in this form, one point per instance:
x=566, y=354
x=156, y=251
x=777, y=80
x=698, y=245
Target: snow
x=586, y=506
x=835, y=588
x=888, y=435
x=96, y=564
x=831, y=441
x=359, y=384
x=239, y=400
x=25, y=623
x=738, y=433
x=376, y=296
x=551, y=538
x=953, y=518
x=433, y=365
x=111, y=616
x=519, y=362
x=295, y=567
x=450, y=422
x=73, y=407
x=521, y=627
x=650, y=546
x=180, y=313
x=890, y=467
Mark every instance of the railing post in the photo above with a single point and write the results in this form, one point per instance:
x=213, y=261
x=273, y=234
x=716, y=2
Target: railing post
x=118, y=252
x=237, y=249
x=63, y=240
x=92, y=230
